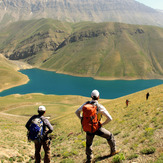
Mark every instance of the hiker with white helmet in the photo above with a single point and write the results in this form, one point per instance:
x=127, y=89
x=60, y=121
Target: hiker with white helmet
x=38, y=129
x=92, y=126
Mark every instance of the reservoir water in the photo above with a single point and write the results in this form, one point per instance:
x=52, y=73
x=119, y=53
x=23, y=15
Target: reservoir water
x=47, y=82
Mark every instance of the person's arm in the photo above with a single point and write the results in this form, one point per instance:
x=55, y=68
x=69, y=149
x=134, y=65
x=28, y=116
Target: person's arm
x=104, y=112
x=29, y=122
x=48, y=125
x=78, y=112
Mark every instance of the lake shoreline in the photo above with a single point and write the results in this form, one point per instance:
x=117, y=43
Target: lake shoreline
x=19, y=65
x=98, y=77
x=50, y=82
x=25, y=79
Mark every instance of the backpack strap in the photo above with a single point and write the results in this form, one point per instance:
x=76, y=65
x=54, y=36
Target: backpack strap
x=88, y=102
x=41, y=127
x=99, y=118
x=96, y=104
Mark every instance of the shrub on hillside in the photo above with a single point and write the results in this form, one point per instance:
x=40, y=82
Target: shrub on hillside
x=132, y=156
x=149, y=132
x=147, y=151
x=118, y=158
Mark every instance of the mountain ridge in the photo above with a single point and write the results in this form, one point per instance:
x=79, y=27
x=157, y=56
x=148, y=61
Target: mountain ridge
x=126, y=11
x=99, y=50
x=115, y=53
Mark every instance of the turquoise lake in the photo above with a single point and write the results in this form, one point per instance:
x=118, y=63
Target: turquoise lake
x=47, y=82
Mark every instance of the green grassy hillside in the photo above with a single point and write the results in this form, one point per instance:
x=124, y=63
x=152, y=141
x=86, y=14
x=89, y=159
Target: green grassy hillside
x=110, y=50
x=100, y=50
x=9, y=76
x=138, y=128
x=33, y=40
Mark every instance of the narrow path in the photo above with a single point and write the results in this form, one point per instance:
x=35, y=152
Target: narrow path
x=13, y=115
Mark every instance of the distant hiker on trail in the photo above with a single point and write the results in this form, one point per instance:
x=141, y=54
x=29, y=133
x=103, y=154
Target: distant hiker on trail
x=38, y=129
x=147, y=96
x=127, y=101
x=92, y=125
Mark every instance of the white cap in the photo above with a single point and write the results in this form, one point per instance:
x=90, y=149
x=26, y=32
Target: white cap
x=95, y=93
x=41, y=108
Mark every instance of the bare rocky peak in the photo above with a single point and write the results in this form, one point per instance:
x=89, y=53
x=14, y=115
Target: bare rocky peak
x=127, y=11
x=70, y=4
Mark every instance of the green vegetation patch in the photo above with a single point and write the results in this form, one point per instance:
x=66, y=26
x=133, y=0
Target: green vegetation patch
x=118, y=158
x=148, y=151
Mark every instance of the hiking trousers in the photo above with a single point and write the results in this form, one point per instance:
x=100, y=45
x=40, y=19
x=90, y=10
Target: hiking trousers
x=102, y=132
x=46, y=147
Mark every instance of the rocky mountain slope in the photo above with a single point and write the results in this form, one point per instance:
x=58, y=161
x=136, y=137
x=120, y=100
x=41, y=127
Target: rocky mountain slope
x=127, y=11
x=110, y=50
x=100, y=50
x=33, y=40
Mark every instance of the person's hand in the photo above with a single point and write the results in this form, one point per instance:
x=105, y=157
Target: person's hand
x=43, y=136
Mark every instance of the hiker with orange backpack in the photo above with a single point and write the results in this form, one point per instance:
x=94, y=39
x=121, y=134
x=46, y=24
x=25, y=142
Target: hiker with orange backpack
x=92, y=126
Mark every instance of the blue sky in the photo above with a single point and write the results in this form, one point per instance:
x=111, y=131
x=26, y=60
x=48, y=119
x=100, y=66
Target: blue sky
x=156, y=4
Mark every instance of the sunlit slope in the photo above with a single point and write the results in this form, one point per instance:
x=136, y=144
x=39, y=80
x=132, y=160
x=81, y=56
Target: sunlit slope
x=9, y=76
x=110, y=50
x=100, y=50
x=33, y=40
x=137, y=128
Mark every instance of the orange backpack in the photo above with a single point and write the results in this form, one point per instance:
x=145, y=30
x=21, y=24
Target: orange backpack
x=90, y=122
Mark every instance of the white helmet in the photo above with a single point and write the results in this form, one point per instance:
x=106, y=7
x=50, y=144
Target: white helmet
x=41, y=108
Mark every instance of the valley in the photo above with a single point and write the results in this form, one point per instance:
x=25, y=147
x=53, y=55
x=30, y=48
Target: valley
x=106, y=40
